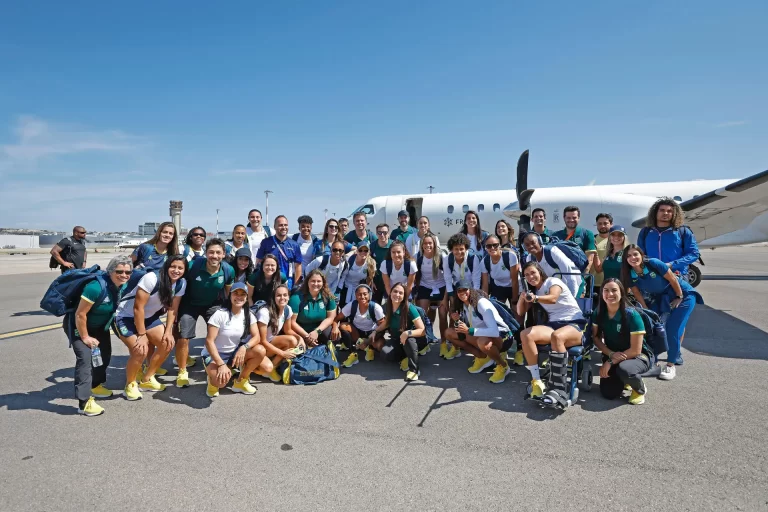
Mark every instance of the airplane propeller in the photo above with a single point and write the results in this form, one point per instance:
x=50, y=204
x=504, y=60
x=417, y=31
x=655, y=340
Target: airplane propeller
x=523, y=193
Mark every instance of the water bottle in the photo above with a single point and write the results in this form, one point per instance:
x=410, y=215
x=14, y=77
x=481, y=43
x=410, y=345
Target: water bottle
x=96, y=357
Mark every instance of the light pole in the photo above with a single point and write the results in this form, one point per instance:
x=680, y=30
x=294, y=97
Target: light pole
x=326, y=214
x=431, y=188
x=217, y=222
x=266, y=193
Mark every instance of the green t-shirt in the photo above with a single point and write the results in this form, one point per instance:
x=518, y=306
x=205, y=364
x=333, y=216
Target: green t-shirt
x=100, y=314
x=379, y=254
x=584, y=238
x=314, y=311
x=394, y=321
x=399, y=234
x=612, y=266
x=352, y=238
x=204, y=289
x=612, y=329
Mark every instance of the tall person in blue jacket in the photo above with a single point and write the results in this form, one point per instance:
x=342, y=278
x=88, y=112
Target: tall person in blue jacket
x=655, y=286
x=665, y=238
x=287, y=252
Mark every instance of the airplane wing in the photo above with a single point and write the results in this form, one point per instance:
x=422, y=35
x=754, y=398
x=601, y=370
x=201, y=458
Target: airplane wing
x=726, y=209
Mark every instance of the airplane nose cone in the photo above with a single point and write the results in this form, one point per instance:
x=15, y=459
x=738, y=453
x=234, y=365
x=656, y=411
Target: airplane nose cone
x=513, y=210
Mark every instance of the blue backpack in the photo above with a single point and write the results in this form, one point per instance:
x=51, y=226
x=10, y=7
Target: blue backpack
x=570, y=249
x=390, y=267
x=429, y=333
x=371, y=310
x=655, y=332
x=510, y=322
x=195, y=257
x=470, y=259
x=63, y=294
x=316, y=365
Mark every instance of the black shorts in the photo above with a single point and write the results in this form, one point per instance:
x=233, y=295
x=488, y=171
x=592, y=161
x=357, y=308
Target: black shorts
x=425, y=293
x=501, y=293
x=579, y=324
x=188, y=315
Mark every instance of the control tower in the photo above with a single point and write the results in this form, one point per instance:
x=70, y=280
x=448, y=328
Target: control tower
x=176, y=215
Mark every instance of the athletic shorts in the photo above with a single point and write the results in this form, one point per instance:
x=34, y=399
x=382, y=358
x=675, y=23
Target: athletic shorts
x=126, y=327
x=362, y=333
x=425, y=293
x=580, y=324
x=188, y=316
x=501, y=293
x=227, y=357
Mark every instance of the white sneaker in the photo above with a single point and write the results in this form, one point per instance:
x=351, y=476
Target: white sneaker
x=667, y=373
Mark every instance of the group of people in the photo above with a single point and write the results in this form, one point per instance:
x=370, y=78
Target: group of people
x=267, y=297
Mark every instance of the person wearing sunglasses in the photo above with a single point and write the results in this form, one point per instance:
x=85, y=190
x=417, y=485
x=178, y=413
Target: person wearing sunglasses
x=379, y=251
x=153, y=253
x=333, y=267
x=88, y=328
x=193, y=244
x=331, y=234
x=500, y=270
x=70, y=252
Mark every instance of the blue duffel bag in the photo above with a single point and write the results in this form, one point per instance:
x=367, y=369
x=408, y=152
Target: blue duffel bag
x=317, y=364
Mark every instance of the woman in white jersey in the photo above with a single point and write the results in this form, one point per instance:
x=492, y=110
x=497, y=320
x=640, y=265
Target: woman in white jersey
x=361, y=270
x=500, y=270
x=333, y=267
x=413, y=242
x=430, y=282
x=458, y=265
x=475, y=233
x=563, y=327
x=399, y=267
x=232, y=342
x=363, y=316
x=137, y=323
x=274, y=321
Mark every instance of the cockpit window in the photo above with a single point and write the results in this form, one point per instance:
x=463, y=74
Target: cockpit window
x=367, y=209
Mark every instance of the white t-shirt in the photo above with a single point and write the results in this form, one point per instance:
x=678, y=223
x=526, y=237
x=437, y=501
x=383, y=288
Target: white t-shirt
x=572, y=274
x=153, y=305
x=363, y=321
x=566, y=308
x=488, y=322
x=398, y=274
x=462, y=271
x=230, y=330
x=413, y=243
x=427, y=279
x=192, y=252
x=254, y=240
x=334, y=274
x=355, y=275
x=499, y=271
x=307, y=248
x=262, y=316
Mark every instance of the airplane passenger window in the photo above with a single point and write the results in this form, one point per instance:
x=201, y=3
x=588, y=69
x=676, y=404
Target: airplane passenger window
x=677, y=198
x=450, y=208
x=496, y=207
x=480, y=207
x=465, y=208
x=367, y=209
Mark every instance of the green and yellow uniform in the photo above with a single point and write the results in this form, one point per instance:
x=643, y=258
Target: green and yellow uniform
x=311, y=312
x=402, y=235
x=612, y=266
x=584, y=238
x=611, y=328
x=394, y=321
x=101, y=314
x=204, y=288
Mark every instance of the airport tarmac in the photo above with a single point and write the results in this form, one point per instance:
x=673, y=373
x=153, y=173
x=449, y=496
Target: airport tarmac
x=452, y=441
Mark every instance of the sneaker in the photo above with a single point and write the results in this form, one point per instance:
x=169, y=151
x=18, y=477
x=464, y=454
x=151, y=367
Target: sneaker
x=627, y=387
x=211, y=390
x=243, y=386
x=351, y=361
x=369, y=354
x=443, y=349
x=667, y=372
x=182, y=379
x=636, y=398
x=131, y=391
x=411, y=376
x=499, y=374
x=160, y=372
x=91, y=408
x=151, y=385
x=519, y=358
x=190, y=362
x=424, y=351
x=342, y=347
x=404, y=365
x=452, y=353
x=101, y=392
x=480, y=364
x=537, y=388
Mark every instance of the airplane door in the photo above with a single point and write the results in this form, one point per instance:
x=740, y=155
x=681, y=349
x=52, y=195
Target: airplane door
x=413, y=207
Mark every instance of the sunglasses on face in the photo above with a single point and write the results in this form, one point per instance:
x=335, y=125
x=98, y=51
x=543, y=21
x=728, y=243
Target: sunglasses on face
x=492, y=246
x=340, y=251
x=382, y=233
x=363, y=251
x=198, y=235
x=81, y=232
x=123, y=272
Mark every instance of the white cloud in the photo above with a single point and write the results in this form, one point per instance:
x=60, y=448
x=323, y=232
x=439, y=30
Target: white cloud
x=729, y=124
x=222, y=172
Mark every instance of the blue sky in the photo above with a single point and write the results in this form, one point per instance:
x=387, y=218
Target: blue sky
x=109, y=111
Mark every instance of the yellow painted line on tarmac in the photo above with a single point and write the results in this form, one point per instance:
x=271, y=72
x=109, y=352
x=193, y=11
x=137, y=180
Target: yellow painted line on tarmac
x=33, y=330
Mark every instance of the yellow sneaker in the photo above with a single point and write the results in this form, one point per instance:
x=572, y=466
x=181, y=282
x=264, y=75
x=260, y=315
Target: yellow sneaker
x=424, y=351
x=404, y=364
x=342, y=347
x=91, y=408
x=211, y=390
x=131, y=391
x=190, y=362
x=452, y=353
x=351, y=361
x=160, y=372
x=243, y=386
x=636, y=398
x=443, y=349
x=499, y=374
x=480, y=364
x=627, y=387
x=537, y=387
x=101, y=392
x=151, y=385
x=369, y=354
x=182, y=379
x=411, y=376
x=519, y=358
x=273, y=376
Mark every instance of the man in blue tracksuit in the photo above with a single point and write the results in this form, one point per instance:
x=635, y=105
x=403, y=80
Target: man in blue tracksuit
x=665, y=238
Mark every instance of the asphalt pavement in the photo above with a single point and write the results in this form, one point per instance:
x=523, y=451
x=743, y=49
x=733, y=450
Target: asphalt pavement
x=368, y=441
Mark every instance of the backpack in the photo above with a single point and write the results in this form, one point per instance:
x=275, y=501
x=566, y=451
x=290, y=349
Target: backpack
x=510, y=322
x=655, y=332
x=371, y=310
x=429, y=332
x=53, y=263
x=570, y=249
x=316, y=365
x=504, y=260
x=470, y=259
x=391, y=267
x=63, y=295
x=188, y=249
x=138, y=273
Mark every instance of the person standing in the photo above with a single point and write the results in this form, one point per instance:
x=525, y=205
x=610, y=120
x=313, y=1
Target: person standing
x=665, y=238
x=71, y=252
x=194, y=244
x=361, y=230
x=584, y=238
x=604, y=222
x=539, y=219
x=256, y=232
x=403, y=231
x=413, y=242
x=153, y=253
x=343, y=227
x=306, y=240
x=287, y=252
x=380, y=251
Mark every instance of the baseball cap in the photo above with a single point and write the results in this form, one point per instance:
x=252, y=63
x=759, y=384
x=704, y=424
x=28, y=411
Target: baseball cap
x=618, y=227
x=463, y=284
x=238, y=286
x=402, y=213
x=243, y=252
x=363, y=243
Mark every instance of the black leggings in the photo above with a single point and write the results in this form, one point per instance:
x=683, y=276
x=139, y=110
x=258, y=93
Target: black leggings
x=626, y=372
x=395, y=351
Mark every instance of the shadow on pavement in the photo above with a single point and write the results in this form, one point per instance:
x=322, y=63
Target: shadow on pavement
x=732, y=338
x=39, y=312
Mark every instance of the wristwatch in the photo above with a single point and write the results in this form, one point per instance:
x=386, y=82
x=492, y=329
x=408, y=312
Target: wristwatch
x=679, y=296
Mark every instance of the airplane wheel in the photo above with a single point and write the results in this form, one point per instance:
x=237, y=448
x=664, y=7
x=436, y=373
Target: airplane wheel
x=694, y=275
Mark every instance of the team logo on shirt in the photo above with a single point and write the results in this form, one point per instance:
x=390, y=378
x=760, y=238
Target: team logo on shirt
x=653, y=274
x=221, y=279
x=198, y=278
x=106, y=300
x=618, y=327
x=321, y=305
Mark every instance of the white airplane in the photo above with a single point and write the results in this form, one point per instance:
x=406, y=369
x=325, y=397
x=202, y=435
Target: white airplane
x=720, y=212
x=130, y=244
